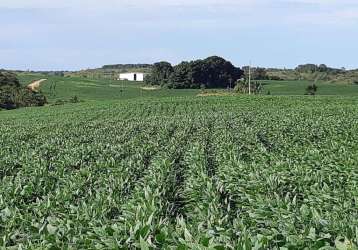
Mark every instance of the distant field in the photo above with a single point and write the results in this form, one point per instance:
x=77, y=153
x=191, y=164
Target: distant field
x=109, y=71
x=164, y=169
x=90, y=89
x=333, y=76
x=298, y=88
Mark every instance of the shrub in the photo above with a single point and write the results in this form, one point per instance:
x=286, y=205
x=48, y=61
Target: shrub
x=7, y=98
x=59, y=102
x=275, y=78
x=311, y=89
x=242, y=86
x=75, y=99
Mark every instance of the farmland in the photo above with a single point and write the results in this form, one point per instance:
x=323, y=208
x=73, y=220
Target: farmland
x=63, y=88
x=102, y=89
x=297, y=88
x=187, y=172
x=179, y=125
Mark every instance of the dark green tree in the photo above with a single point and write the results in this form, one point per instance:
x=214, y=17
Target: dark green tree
x=311, y=89
x=220, y=73
x=212, y=72
x=8, y=79
x=13, y=95
x=160, y=74
x=322, y=68
x=306, y=68
x=182, y=77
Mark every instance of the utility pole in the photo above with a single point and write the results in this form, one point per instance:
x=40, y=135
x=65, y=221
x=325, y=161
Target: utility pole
x=315, y=72
x=250, y=79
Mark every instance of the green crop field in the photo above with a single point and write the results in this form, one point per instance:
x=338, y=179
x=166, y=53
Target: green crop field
x=180, y=173
x=63, y=88
x=298, y=88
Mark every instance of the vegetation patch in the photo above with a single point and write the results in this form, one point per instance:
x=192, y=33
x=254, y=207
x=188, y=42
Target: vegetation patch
x=13, y=95
x=259, y=172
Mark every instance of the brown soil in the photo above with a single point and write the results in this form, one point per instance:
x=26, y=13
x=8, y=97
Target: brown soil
x=35, y=86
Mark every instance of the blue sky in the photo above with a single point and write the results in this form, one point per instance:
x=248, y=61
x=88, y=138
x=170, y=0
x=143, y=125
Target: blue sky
x=79, y=34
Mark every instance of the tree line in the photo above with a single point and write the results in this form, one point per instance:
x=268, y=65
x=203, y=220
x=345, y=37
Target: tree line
x=126, y=66
x=212, y=72
x=312, y=68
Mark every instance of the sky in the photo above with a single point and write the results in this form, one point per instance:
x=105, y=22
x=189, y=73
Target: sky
x=80, y=34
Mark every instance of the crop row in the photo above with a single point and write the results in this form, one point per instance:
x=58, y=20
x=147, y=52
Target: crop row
x=219, y=173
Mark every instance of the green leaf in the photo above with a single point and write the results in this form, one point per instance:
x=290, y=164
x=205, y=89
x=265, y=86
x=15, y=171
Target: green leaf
x=205, y=241
x=144, y=232
x=6, y=212
x=160, y=238
x=143, y=244
x=312, y=234
x=51, y=229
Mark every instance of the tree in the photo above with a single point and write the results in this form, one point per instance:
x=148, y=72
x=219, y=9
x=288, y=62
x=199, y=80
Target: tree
x=306, y=68
x=323, y=68
x=311, y=89
x=256, y=73
x=311, y=68
x=12, y=95
x=8, y=79
x=181, y=77
x=160, y=75
x=220, y=73
x=212, y=72
x=260, y=74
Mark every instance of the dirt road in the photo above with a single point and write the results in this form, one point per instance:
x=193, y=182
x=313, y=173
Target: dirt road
x=35, y=86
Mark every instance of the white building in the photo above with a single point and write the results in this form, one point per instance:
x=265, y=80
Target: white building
x=134, y=77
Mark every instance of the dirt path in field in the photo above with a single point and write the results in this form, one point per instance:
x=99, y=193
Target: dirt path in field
x=35, y=86
x=150, y=88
